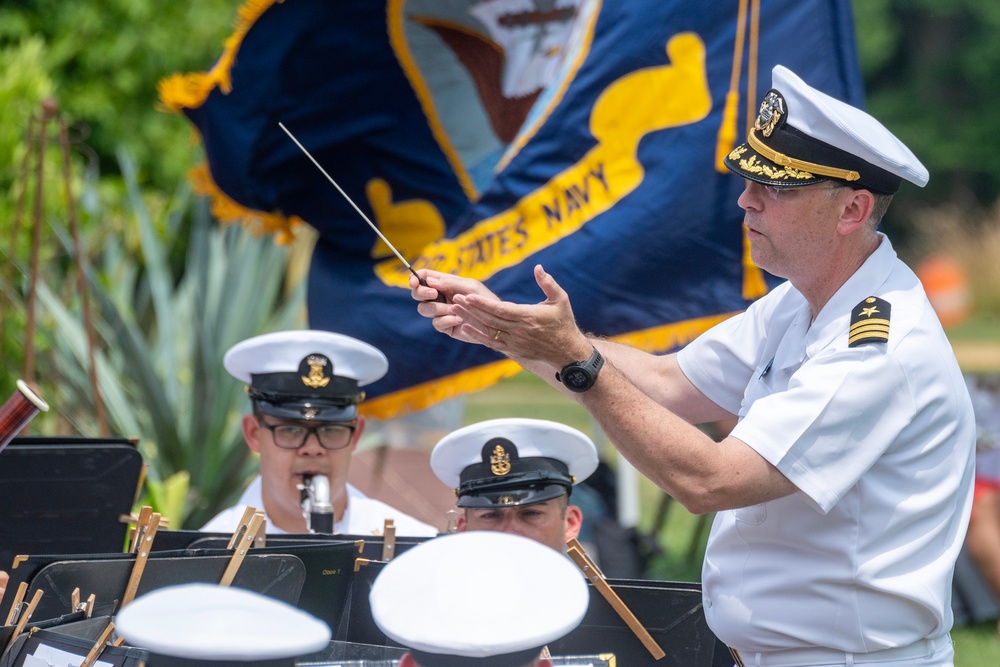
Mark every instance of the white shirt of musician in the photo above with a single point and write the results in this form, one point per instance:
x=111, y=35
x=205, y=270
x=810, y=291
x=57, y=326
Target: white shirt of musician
x=363, y=516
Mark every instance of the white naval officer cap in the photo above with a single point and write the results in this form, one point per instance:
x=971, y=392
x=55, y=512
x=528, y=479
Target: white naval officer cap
x=803, y=136
x=478, y=599
x=198, y=624
x=513, y=461
x=306, y=374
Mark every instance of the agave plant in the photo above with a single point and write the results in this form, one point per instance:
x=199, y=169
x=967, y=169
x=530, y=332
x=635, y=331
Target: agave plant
x=161, y=334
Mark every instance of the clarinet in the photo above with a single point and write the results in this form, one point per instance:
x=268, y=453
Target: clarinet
x=316, y=505
x=19, y=409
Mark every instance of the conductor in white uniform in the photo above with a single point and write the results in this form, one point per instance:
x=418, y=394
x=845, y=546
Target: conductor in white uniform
x=842, y=495
x=305, y=387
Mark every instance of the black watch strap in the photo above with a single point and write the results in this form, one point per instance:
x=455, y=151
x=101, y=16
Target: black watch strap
x=580, y=376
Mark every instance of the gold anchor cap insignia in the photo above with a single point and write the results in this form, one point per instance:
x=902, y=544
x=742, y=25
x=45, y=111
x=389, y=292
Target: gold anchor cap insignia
x=772, y=109
x=320, y=369
x=500, y=461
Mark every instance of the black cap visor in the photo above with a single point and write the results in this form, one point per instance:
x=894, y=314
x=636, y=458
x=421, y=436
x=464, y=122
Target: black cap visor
x=309, y=409
x=526, y=488
x=790, y=158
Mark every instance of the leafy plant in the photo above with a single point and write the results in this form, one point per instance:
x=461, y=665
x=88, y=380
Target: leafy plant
x=162, y=331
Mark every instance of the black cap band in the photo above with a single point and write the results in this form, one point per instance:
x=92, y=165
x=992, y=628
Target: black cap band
x=518, y=659
x=281, y=388
x=503, y=478
x=776, y=153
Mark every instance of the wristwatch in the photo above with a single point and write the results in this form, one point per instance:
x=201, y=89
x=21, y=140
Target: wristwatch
x=580, y=376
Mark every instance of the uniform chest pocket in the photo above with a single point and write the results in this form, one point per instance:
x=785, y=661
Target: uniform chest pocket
x=759, y=388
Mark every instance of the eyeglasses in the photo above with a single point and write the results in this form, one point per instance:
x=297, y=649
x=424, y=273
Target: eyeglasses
x=776, y=192
x=331, y=435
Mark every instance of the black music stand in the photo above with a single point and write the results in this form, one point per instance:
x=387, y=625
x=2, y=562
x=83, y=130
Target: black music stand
x=670, y=611
x=107, y=576
x=66, y=495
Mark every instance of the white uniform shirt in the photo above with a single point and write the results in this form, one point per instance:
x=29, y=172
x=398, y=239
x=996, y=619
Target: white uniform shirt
x=879, y=440
x=363, y=516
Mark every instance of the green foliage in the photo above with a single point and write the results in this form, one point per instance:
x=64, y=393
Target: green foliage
x=162, y=331
x=105, y=59
x=930, y=75
x=976, y=645
x=24, y=83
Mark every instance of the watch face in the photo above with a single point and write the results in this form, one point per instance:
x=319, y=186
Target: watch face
x=576, y=378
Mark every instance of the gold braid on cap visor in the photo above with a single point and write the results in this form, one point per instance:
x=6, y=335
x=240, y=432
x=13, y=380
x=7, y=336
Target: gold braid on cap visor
x=785, y=161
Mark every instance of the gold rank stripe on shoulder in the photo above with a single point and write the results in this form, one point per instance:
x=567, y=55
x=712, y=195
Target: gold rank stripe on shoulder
x=869, y=322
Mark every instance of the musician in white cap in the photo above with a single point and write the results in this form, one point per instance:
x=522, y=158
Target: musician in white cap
x=842, y=495
x=208, y=624
x=516, y=476
x=478, y=599
x=305, y=387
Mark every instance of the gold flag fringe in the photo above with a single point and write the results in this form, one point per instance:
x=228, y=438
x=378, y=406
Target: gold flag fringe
x=423, y=396
x=726, y=139
x=228, y=210
x=188, y=91
x=754, y=285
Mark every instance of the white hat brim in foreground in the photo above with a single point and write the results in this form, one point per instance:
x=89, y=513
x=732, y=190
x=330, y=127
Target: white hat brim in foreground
x=478, y=594
x=211, y=622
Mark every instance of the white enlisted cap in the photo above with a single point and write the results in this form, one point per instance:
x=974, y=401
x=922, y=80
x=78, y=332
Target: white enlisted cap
x=513, y=461
x=803, y=136
x=306, y=374
x=197, y=624
x=478, y=598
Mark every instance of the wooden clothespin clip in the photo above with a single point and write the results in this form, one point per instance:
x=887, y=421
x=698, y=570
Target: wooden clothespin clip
x=141, y=522
x=590, y=570
x=241, y=547
x=98, y=647
x=25, y=614
x=389, y=540
x=17, y=603
x=142, y=547
x=86, y=606
x=241, y=528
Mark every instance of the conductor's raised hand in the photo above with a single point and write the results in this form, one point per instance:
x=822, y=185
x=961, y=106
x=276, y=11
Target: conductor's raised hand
x=443, y=315
x=542, y=332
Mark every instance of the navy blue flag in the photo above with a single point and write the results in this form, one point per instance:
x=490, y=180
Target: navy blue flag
x=484, y=137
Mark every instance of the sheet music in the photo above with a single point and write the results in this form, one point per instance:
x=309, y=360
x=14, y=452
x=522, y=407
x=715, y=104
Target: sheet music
x=48, y=656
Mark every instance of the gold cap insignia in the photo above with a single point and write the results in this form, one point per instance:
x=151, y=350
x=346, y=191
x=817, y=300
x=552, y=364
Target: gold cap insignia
x=506, y=500
x=772, y=109
x=500, y=461
x=317, y=378
x=869, y=322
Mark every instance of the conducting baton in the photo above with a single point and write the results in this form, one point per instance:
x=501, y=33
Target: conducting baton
x=440, y=296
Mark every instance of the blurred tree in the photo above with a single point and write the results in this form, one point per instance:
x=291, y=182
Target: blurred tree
x=105, y=58
x=930, y=75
